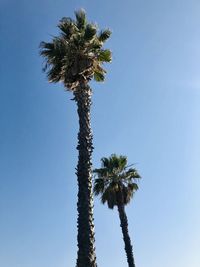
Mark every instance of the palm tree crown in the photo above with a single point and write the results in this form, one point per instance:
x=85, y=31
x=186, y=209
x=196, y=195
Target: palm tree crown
x=76, y=54
x=116, y=181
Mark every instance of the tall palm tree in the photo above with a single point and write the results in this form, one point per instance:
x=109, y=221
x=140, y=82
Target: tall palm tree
x=75, y=57
x=116, y=183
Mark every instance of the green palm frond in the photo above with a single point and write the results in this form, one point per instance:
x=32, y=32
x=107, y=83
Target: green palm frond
x=100, y=172
x=105, y=162
x=127, y=194
x=98, y=76
x=122, y=162
x=104, y=35
x=81, y=21
x=68, y=27
x=109, y=197
x=133, y=187
x=105, y=56
x=90, y=32
x=98, y=186
x=96, y=45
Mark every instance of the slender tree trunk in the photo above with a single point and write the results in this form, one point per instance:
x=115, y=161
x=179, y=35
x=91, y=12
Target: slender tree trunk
x=86, y=249
x=126, y=237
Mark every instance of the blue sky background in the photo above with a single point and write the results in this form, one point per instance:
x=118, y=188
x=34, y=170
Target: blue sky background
x=148, y=109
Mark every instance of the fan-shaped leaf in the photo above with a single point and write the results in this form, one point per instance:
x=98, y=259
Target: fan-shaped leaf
x=81, y=19
x=98, y=76
x=90, y=32
x=104, y=35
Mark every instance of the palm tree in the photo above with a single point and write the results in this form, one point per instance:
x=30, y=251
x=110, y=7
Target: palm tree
x=74, y=58
x=116, y=183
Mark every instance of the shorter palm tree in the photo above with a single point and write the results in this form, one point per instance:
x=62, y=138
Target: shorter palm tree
x=116, y=183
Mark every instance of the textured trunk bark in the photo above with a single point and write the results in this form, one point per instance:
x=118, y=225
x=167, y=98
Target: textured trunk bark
x=86, y=249
x=126, y=237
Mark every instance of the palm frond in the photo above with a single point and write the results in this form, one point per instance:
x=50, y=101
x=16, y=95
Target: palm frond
x=53, y=74
x=99, y=186
x=105, y=162
x=68, y=27
x=105, y=55
x=98, y=76
x=81, y=19
x=133, y=186
x=100, y=172
x=104, y=35
x=90, y=32
x=133, y=173
x=109, y=196
x=95, y=45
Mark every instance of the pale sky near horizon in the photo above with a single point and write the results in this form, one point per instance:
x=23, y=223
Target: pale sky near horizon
x=148, y=109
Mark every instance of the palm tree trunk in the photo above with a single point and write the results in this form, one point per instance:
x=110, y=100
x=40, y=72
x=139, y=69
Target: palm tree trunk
x=126, y=237
x=85, y=223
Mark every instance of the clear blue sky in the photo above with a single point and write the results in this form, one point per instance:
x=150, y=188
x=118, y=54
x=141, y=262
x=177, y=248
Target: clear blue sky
x=148, y=109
